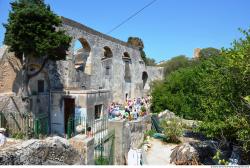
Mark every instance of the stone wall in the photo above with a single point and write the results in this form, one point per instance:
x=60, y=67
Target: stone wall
x=9, y=68
x=128, y=134
x=86, y=99
x=85, y=146
x=115, y=79
x=51, y=151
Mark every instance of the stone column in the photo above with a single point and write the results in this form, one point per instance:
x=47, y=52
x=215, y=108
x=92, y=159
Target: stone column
x=85, y=146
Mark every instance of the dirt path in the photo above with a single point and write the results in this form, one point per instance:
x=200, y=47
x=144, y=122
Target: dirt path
x=159, y=153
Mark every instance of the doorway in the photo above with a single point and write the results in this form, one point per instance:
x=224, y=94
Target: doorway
x=69, y=115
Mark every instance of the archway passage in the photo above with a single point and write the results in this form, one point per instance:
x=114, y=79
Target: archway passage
x=81, y=56
x=144, y=78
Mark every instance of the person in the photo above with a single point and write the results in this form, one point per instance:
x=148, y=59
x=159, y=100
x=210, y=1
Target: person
x=2, y=136
x=89, y=133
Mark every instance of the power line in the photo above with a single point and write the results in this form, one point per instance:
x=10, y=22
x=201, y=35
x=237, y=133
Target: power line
x=130, y=17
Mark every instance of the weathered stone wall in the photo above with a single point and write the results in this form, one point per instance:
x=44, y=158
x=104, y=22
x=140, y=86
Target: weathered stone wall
x=83, y=99
x=128, y=135
x=9, y=68
x=85, y=146
x=115, y=81
x=51, y=151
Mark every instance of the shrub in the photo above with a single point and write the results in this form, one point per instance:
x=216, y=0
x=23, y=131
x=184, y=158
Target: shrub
x=172, y=129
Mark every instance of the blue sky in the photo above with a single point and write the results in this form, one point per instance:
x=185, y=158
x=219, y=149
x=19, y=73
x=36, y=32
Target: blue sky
x=168, y=27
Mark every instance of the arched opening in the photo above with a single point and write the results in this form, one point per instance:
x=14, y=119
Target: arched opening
x=81, y=55
x=107, y=53
x=144, y=78
x=126, y=55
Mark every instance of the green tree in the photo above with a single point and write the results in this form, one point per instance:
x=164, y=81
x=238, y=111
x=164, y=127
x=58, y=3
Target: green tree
x=209, y=52
x=137, y=42
x=33, y=32
x=175, y=63
x=212, y=91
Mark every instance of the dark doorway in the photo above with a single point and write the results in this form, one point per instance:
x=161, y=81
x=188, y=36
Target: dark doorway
x=144, y=79
x=69, y=114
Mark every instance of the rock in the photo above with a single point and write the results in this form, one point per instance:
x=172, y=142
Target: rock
x=194, y=153
x=51, y=151
x=185, y=154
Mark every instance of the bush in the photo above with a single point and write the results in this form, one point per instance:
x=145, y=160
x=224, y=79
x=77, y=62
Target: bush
x=101, y=161
x=19, y=135
x=149, y=133
x=212, y=91
x=172, y=129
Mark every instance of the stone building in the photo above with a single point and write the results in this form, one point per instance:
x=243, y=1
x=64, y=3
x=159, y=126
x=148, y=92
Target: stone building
x=102, y=70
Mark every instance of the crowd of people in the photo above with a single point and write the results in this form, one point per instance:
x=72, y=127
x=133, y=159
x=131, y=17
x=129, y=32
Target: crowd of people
x=132, y=109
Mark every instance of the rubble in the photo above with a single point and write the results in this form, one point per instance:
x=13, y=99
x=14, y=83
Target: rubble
x=51, y=151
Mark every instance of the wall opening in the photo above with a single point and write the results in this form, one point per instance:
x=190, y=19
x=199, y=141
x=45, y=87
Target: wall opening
x=81, y=55
x=69, y=114
x=98, y=111
x=126, y=55
x=107, y=53
x=40, y=86
x=144, y=78
x=127, y=76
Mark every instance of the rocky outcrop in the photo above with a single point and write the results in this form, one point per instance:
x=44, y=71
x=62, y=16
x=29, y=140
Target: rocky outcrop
x=185, y=154
x=194, y=153
x=51, y=151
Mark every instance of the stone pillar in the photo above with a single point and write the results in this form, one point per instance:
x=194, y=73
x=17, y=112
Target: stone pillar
x=85, y=146
x=119, y=153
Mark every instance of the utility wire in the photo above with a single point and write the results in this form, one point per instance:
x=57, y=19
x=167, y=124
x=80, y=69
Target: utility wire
x=130, y=17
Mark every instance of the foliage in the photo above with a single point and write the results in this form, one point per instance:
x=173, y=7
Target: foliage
x=19, y=135
x=143, y=109
x=172, y=129
x=137, y=42
x=209, y=52
x=149, y=133
x=33, y=32
x=218, y=158
x=212, y=90
x=101, y=161
x=175, y=63
x=32, y=29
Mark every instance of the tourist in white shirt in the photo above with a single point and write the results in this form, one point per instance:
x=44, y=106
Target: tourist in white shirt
x=2, y=137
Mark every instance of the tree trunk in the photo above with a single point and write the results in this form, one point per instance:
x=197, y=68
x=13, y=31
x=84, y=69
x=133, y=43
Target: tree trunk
x=25, y=83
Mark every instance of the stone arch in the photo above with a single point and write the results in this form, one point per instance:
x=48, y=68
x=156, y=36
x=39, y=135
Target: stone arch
x=126, y=55
x=107, y=53
x=144, y=78
x=81, y=55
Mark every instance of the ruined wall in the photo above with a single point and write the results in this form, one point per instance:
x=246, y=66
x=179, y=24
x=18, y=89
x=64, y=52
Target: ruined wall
x=51, y=151
x=115, y=81
x=86, y=99
x=9, y=68
x=128, y=134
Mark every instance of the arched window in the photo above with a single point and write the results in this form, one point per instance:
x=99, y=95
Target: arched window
x=107, y=53
x=81, y=54
x=126, y=55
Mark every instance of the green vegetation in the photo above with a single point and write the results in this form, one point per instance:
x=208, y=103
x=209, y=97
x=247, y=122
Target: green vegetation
x=31, y=32
x=218, y=158
x=19, y=135
x=101, y=161
x=208, y=52
x=172, y=129
x=149, y=133
x=212, y=90
x=137, y=42
x=175, y=63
